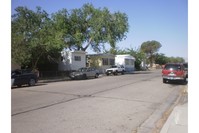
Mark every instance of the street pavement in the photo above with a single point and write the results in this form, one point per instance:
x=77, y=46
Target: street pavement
x=176, y=122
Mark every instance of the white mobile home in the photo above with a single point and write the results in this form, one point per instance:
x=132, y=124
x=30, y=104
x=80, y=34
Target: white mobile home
x=72, y=60
x=127, y=61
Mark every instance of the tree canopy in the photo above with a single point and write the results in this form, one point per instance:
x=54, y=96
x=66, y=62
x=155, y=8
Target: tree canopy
x=31, y=37
x=89, y=26
x=150, y=48
x=161, y=59
x=36, y=33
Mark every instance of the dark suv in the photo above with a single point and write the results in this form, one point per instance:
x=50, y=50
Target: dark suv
x=22, y=76
x=174, y=72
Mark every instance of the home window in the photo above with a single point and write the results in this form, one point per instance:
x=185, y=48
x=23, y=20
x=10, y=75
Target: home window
x=112, y=61
x=132, y=62
x=77, y=58
x=104, y=61
x=127, y=62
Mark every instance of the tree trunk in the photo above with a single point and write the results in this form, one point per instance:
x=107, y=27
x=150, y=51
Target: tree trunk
x=34, y=66
x=151, y=60
x=89, y=42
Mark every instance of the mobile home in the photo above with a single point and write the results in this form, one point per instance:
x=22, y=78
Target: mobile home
x=72, y=60
x=127, y=61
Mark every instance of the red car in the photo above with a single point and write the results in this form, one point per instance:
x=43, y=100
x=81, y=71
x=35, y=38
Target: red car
x=174, y=72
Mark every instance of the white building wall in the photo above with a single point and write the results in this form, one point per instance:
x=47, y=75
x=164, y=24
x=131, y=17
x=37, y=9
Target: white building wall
x=69, y=63
x=76, y=64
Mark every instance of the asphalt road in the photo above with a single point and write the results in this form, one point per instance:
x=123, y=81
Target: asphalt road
x=110, y=104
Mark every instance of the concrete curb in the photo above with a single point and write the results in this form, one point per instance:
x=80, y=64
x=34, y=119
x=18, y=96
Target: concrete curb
x=158, y=118
x=53, y=80
x=177, y=122
x=58, y=79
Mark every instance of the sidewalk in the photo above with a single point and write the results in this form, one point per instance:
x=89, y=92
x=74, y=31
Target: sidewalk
x=178, y=119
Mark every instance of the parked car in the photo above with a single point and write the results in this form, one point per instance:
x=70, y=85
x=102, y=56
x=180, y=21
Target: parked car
x=174, y=72
x=115, y=70
x=84, y=73
x=21, y=77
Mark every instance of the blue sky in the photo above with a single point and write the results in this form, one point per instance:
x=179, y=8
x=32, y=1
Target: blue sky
x=165, y=21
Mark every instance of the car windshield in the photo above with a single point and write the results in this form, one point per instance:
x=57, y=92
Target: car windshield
x=15, y=72
x=172, y=67
x=113, y=66
x=82, y=69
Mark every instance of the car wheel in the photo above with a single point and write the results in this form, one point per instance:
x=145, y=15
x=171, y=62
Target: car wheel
x=164, y=80
x=115, y=73
x=96, y=75
x=18, y=85
x=184, y=81
x=122, y=72
x=72, y=78
x=32, y=82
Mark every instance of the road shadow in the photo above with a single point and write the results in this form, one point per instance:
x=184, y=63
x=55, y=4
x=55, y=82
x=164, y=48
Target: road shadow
x=139, y=72
x=25, y=86
x=176, y=83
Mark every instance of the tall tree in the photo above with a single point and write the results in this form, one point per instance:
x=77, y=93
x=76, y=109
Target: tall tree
x=92, y=27
x=32, y=36
x=150, y=48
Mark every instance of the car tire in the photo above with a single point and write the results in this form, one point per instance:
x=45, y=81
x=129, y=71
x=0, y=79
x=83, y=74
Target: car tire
x=164, y=80
x=122, y=72
x=18, y=86
x=115, y=73
x=32, y=82
x=184, y=81
x=96, y=75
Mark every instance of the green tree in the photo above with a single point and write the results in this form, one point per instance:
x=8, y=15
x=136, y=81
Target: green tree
x=161, y=59
x=150, y=48
x=139, y=56
x=176, y=60
x=35, y=35
x=92, y=27
x=115, y=51
x=32, y=36
x=61, y=28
